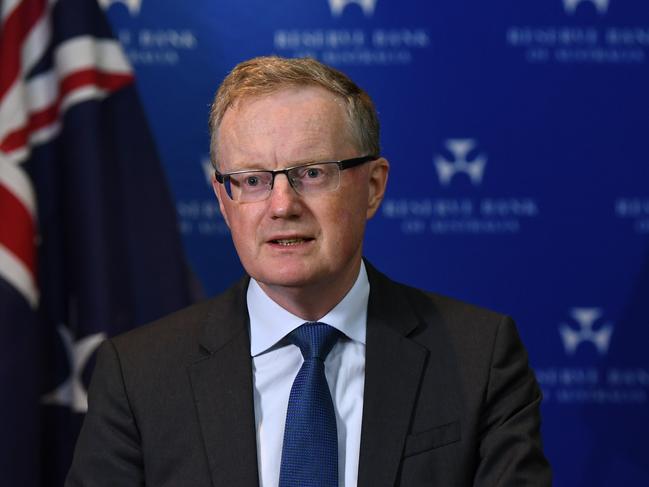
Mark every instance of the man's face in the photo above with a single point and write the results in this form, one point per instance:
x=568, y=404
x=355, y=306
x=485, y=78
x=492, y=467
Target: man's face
x=288, y=240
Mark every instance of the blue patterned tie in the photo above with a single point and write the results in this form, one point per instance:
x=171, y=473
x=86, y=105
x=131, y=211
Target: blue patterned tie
x=310, y=451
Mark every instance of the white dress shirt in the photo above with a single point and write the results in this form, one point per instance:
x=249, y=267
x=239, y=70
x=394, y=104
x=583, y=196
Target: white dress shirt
x=275, y=363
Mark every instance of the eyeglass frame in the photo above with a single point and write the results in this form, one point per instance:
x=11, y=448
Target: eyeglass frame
x=342, y=165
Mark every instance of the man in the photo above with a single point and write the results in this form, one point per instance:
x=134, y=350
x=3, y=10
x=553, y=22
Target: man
x=410, y=388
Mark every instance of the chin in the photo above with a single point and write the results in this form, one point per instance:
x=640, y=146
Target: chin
x=287, y=277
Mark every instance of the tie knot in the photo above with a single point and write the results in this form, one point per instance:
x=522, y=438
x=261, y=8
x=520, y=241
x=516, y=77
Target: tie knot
x=314, y=339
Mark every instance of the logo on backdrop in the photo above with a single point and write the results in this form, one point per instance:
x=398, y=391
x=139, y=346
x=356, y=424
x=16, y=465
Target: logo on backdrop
x=635, y=211
x=460, y=162
x=201, y=216
x=579, y=36
x=363, y=44
x=587, y=378
x=152, y=46
x=337, y=6
x=571, y=5
x=208, y=170
x=586, y=333
x=462, y=203
x=133, y=6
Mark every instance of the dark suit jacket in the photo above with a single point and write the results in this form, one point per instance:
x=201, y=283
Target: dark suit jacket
x=449, y=399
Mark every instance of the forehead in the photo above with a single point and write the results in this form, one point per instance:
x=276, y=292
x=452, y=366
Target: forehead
x=294, y=124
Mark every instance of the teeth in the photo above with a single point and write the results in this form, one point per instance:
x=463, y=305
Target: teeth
x=290, y=241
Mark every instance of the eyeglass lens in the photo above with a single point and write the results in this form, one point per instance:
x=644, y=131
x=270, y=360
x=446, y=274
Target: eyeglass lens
x=305, y=180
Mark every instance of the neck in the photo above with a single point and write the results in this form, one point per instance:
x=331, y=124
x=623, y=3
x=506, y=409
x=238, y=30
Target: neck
x=314, y=301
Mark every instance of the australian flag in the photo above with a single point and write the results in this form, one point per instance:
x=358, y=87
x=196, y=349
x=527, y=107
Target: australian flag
x=88, y=237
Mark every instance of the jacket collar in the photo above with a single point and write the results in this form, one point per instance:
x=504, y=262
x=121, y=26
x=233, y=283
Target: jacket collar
x=223, y=391
x=394, y=366
x=395, y=362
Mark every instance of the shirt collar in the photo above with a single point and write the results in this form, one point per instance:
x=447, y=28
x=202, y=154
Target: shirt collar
x=269, y=322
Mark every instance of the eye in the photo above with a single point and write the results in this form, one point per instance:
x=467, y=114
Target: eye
x=251, y=181
x=310, y=172
x=313, y=172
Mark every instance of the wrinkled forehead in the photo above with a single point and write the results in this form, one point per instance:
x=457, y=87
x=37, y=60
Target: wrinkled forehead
x=287, y=98
x=291, y=125
x=242, y=94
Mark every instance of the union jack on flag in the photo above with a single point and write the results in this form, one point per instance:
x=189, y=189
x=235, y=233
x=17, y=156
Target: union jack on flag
x=88, y=240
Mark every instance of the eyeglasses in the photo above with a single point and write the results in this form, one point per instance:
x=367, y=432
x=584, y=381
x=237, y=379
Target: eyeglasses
x=306, y=179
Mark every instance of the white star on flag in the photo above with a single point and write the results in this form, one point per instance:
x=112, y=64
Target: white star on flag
x=71, y=393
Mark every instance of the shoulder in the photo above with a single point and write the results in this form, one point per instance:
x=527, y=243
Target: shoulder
x=177, y=337
x=181, y=325
x=470, y=328
x=434, y=309
x=472, y=339
x=470, y=333
x=451, y=309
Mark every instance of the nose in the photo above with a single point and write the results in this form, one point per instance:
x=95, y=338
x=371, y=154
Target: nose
x=284, y=202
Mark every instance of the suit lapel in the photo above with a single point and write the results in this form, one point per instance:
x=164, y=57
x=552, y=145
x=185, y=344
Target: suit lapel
x=223, y=393
x=223, y=389
x=393, y=368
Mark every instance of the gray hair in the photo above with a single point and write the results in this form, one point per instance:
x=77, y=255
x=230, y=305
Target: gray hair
x=269, y=74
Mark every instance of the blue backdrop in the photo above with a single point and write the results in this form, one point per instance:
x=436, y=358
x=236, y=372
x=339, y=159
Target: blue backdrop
x=518, y=138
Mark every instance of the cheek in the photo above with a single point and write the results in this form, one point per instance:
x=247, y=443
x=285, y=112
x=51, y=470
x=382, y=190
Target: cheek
x=243, y=227
x=346, y=223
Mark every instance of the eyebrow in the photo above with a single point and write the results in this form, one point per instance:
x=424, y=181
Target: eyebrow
x=246, y=166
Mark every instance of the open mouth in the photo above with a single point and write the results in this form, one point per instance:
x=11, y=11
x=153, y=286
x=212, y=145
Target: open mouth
x=287, y=242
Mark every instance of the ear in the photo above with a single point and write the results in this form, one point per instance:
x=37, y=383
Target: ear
x=378, y=180
x=219, y=191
